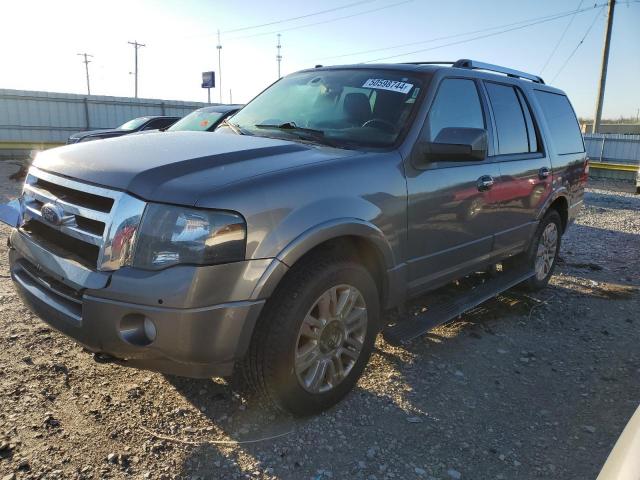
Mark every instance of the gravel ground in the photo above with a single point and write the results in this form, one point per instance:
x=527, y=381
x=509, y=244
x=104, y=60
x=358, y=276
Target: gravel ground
x=526, y=386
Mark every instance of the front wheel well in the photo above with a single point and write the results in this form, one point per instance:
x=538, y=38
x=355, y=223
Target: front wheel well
x=359, y=249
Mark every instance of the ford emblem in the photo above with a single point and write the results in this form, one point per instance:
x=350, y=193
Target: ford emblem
x=52, y=213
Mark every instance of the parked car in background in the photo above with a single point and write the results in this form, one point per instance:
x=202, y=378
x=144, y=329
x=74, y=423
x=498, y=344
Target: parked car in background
x=134, y=125
x=204, y=119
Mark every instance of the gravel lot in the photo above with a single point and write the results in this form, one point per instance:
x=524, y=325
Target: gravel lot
x=524, y=387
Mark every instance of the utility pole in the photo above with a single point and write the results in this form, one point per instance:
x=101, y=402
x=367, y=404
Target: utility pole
x=86, y=62
x=219, y=47
x=230, y=97
x=136, y=46
x=603, y=71
x=278, y=56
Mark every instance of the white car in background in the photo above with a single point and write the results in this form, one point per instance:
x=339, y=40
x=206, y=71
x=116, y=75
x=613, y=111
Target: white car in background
x=623, y=462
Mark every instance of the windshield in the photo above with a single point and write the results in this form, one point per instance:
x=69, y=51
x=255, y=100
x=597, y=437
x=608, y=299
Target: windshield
x=196, y=121
x=347, y=107
x=133, y=124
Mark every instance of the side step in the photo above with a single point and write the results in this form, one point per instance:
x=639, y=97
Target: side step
x=406, y=330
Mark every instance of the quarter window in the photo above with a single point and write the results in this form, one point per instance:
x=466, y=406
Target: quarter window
x=562, y=122
x=510, y=121
x=456, y=105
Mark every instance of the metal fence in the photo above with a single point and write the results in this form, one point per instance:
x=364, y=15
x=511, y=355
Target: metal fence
x=46, y=118
x=613, y=148
x=613, y=155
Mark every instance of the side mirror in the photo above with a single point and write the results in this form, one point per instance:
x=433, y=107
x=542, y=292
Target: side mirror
x=456, y=145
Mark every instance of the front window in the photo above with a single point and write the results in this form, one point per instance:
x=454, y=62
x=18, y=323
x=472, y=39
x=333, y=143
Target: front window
x=197, y=121
x=360, y=108
x=133, y=124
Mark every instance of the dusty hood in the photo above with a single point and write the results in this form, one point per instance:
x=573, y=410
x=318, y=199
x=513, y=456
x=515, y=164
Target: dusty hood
x=177, y=167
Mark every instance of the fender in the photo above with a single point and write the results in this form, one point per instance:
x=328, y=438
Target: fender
x=313, y=237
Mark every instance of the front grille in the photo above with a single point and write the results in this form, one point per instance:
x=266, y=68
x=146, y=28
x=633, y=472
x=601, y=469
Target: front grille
x=88, y=223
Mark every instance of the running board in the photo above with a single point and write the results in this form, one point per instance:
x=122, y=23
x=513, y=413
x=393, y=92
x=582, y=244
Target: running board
x=406, y=330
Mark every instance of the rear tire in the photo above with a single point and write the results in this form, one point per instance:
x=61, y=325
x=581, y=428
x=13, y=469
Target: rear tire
x=542, y=254
x=308, y=351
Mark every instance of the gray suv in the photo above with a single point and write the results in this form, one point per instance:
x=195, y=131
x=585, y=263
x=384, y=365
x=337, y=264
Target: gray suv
x=271, y=248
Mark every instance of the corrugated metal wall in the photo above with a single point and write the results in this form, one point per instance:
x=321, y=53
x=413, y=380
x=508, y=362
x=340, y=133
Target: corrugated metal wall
x=49, y=118
x=610, y=148
x=613, y=148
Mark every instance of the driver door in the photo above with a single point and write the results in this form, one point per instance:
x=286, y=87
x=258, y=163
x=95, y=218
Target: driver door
x=450, y=214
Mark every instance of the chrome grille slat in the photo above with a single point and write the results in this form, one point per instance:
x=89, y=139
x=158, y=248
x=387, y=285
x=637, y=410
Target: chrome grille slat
x=71, y=231
x=45, y=197
x=107, y=219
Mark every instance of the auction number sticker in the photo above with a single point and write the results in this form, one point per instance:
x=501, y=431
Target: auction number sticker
x=391, y=85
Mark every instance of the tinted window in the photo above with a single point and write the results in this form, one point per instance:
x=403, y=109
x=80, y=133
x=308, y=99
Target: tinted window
x=197, y=121
x=510, y=122
x=562, y=122
x=456, y=105
x=133, y=124
x=159, y=123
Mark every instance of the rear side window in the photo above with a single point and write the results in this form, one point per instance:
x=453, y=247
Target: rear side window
x=562, y=122
x=513, y=136
x=456, y=105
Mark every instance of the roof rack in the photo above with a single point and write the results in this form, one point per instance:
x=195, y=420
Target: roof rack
x=475, y=65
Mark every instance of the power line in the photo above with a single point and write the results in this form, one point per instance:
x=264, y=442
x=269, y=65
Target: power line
x=323, y=21
x=86, y=62
x=530, y=24
x=595, y=19
x=447, y=37
x=290, y=19
x=564, y=32
x=136, y=46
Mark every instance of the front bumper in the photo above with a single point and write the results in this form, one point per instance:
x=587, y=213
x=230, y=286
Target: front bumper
x=203, y=316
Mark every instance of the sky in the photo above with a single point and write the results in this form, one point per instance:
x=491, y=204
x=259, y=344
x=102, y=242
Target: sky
x=41, y=39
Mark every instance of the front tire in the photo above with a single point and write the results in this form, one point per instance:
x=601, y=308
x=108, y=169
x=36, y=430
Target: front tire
x=315, y=335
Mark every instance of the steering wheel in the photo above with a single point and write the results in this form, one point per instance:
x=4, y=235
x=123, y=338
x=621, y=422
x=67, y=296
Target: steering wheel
x=381, y=124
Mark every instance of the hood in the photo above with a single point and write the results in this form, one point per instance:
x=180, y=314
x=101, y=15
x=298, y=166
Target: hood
x=178, y=167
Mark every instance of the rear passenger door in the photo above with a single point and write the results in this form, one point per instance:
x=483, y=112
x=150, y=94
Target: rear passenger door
x=525, y=177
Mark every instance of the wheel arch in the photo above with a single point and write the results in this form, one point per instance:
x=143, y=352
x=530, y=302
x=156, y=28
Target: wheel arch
x=363, y=240
x=559, y=201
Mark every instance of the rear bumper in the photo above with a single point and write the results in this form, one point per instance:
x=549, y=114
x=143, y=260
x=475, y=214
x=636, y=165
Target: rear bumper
x=190, y=340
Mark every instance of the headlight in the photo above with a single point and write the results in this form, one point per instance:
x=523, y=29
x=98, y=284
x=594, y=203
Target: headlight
x=171, y=235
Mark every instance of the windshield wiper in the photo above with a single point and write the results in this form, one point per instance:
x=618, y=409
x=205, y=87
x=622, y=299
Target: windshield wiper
x=235, y=128
x=300, y=132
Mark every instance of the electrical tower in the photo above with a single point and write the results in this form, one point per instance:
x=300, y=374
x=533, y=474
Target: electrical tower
x=136, y=46
x=219, y=47
x=86, y=62
x=279, y=56
x=603, y=71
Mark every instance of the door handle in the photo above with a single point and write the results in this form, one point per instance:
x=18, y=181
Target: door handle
x=485, y=183
x=543, y=173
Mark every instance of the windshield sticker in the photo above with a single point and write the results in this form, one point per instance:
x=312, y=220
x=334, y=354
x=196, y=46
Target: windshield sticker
x=391, y=85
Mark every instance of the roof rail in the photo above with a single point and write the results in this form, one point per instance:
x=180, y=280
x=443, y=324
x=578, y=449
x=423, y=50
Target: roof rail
x=475, y=65
x=428, y=63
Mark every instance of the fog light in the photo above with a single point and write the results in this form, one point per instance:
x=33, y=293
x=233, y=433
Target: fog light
x=149, y=329
x=137, y=329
